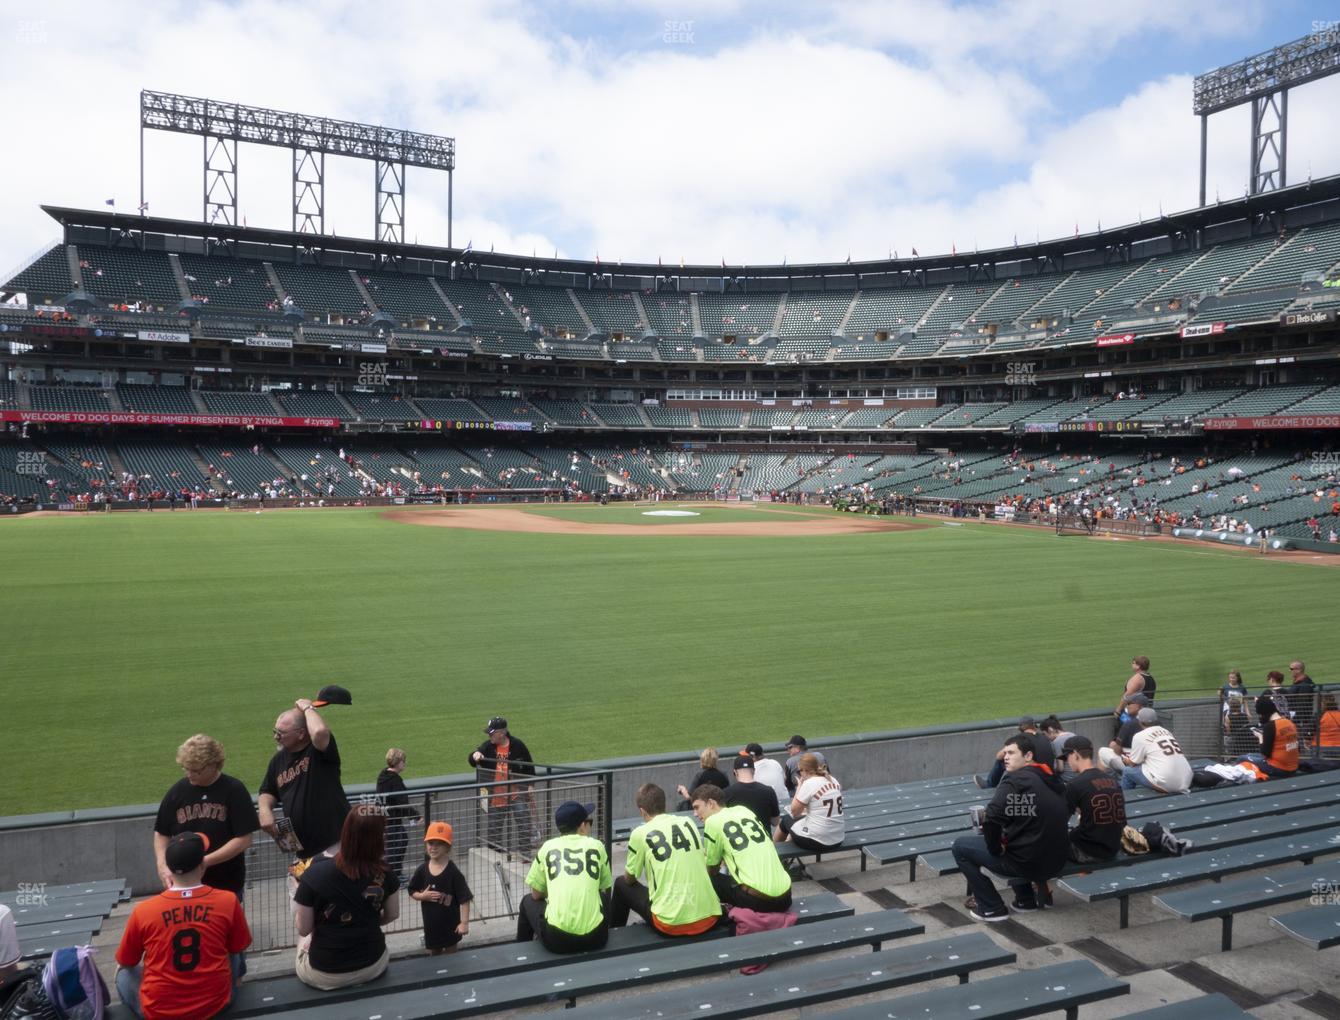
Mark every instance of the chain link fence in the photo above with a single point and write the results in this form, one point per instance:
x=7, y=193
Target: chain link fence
x=496, y=829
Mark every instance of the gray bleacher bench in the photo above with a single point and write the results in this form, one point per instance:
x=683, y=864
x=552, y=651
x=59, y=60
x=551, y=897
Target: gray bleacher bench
x=63, y=910
x=53, y=929
x=812, y=983
x=1318, y=927
x=1147, y=876
x=585, y=976
x=41, y=948
x=79, y=890
x=1204, y=1007
x=1026, y=993
x=1185, y=814
x=257, y=998
x=1226, y=899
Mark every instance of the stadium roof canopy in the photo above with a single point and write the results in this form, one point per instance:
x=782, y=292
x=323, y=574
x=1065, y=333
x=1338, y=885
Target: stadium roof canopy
x=1256, y=208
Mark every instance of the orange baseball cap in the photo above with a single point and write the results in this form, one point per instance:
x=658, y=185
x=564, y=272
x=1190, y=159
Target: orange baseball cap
x=439, y=831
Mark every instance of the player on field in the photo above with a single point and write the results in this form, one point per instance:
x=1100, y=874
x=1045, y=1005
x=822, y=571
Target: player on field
x=733, y=835
x=175, y=953
x=678, y=898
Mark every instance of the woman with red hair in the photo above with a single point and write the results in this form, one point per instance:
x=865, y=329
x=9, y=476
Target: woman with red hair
x=342, y=903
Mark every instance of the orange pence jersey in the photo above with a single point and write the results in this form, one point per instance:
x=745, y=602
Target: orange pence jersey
x=184, y=937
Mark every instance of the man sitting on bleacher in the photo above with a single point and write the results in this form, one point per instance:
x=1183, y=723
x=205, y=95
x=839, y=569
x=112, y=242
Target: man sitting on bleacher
x=755, y=877
x=569, y=880
x=1043, y=754
x=678, y=898
x=178, y=953
x=1097, y=796
x=1155, y=760
x=1023, y=836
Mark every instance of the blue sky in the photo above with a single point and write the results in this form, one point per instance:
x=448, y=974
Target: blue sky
x=636, y=130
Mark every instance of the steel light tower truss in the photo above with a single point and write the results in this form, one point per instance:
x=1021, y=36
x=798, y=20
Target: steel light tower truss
x=223, y=126
x=1264, y=81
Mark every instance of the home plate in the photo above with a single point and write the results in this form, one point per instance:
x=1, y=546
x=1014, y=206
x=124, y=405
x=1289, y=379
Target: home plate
x=671, y=513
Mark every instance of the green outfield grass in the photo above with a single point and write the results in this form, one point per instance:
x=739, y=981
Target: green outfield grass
x=124, y=634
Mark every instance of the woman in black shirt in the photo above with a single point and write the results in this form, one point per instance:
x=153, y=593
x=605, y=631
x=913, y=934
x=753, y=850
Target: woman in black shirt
x=394, y=797
x=343, y=901
x=707, y=773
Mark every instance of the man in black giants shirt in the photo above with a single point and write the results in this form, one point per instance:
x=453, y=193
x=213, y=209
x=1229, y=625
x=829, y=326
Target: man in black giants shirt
x=208, y=802
x=1096, y=794
x=304, y=776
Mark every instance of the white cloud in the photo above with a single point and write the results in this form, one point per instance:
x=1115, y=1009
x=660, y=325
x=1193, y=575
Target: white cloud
x=795, y=137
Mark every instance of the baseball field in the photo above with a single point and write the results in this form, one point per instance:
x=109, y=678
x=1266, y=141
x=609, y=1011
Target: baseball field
x=596, y=631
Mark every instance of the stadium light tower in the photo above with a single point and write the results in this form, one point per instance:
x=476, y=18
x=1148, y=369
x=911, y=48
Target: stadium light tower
x=222, y=126
x=1264, y=81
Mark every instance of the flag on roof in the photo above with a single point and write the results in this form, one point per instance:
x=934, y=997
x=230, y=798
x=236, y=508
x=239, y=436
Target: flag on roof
x=144, y=206
x=109, y=201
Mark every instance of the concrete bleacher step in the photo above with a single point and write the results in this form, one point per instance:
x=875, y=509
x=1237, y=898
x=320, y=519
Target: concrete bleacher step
x=1204, y=1007
x=1029, y=993
x=813, y=984
x=257, y=998
x=592, y=974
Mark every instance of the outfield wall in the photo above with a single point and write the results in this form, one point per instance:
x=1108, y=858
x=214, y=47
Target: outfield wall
x=77, y=846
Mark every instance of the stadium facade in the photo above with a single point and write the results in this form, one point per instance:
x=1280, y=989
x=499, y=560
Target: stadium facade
x=188, y=356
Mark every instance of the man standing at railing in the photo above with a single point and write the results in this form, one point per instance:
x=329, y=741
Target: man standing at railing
x=500, y=758
x=1302, y=695
x=303, y=776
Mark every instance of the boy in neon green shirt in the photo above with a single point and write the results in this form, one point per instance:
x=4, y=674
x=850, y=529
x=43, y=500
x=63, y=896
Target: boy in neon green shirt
x=678, y=898
x=569, y=882
x=755, y=877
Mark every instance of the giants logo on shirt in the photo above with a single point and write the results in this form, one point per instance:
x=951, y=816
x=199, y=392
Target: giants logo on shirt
x=193, y=812
x=294, y=771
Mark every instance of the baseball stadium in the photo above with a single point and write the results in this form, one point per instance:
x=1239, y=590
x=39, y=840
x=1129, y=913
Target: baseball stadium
x=631, y=510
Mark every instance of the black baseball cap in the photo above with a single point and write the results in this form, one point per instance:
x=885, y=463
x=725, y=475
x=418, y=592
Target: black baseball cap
x=755, y=749
x=185, y=852
x=1027, y=722
x=495, y=724
x=744, y=762
x=1079, y=743
x=1138, y=699
x=571, y=814
x=797, y=741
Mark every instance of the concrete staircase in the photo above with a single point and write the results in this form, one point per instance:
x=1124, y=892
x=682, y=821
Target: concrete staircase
x=846, y=316
x=72, y=260
x=203, y=467
x=455, y=313
x=280, y=293
x=363, y=291
x=939, y=300
x=502, y=296
x=179, y=274
x=586, y=319
x=779, y=316
x=1045, y=298
x=641, y=311
x=695, y=314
